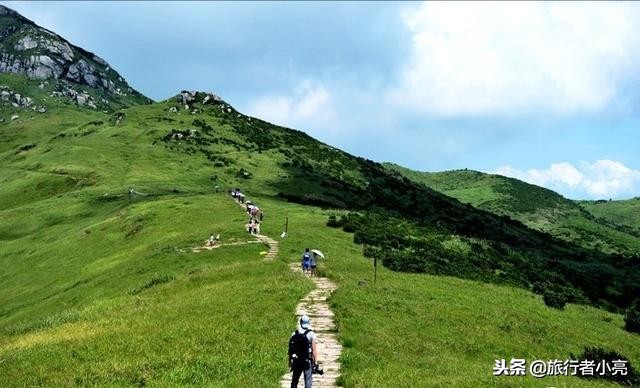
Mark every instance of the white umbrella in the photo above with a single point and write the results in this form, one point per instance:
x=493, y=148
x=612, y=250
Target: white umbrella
x=317, y=252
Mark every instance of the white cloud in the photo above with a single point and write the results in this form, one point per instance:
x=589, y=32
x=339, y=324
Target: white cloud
x=603, y=178
x=308, y=102
x=501, y=57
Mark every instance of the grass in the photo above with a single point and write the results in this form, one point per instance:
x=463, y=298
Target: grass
x=147, y=311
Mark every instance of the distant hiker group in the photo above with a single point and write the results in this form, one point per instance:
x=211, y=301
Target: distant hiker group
x=237, y=195
x=255, y=214
x=213, y=241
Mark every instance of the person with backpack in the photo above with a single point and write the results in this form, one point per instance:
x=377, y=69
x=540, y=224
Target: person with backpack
x=306, y=261
x=303, y=355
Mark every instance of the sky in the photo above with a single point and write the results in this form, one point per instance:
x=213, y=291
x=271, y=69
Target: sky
x=544, y=92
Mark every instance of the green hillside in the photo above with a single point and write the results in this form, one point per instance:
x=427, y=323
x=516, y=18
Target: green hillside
x=624, y=212
x=536, y=207
x=100, y=284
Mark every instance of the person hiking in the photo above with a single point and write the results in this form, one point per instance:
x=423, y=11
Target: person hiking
x=313, y=264
x=306, y=261
x=211, y=240
x=303, y=355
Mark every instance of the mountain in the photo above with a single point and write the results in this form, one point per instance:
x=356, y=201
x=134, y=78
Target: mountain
x=54, y=65
x=539, y=208
x=104, y=280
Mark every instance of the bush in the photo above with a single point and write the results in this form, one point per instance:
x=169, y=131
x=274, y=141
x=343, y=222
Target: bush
x=598, y=355
x=632, y=317
x=554, y=298
x=333, y=222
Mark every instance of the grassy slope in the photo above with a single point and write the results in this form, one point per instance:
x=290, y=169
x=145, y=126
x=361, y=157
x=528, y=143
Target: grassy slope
x=73, y=246
x=536, y=207
x=626, y=212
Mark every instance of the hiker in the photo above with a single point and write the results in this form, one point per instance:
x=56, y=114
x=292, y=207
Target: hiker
x=303, y=356
x=256, y=227
x=252, y=224
x=211, y=241
x=306, y=261
x=313, y=264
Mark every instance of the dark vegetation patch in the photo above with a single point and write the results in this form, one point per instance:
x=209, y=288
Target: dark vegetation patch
x=632, y=317
x=600, y=355
x=154, y=281
x=26, y=147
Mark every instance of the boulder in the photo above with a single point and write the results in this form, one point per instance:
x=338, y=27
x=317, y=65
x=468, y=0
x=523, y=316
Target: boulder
x=26, y=43
x=14, y=117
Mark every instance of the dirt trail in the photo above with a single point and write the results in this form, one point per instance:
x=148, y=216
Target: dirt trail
x=315, y=305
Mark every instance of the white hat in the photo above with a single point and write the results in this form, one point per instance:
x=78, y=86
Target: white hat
x=304, y=322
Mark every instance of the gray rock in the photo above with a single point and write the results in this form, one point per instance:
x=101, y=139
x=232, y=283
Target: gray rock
x=14, y=117
x=81, y=99
x=42, y=66
x=82, y=72
x=59, y=47
x=26, y=43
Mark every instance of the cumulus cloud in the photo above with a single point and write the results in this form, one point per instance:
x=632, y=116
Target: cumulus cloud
x=507, y=58
x=308, y=102
x=600, y=179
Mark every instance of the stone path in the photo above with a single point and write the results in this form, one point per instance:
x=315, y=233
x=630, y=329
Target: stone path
x=315, y=305
x=273, y=246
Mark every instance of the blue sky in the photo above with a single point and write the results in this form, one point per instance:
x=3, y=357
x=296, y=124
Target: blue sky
x=545, y=92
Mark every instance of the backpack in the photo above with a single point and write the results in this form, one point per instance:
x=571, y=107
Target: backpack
x=299, y=354
x=306, y=258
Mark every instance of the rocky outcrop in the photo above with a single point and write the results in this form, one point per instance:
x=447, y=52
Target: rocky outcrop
x=188, y=98
x=8, y=96
x=26, y=48
x=82, y=98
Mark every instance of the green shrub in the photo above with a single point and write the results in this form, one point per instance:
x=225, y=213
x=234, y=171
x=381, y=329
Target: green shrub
x=632, y=317
x=333, y=222
x=554, y=298
x=598, y=355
